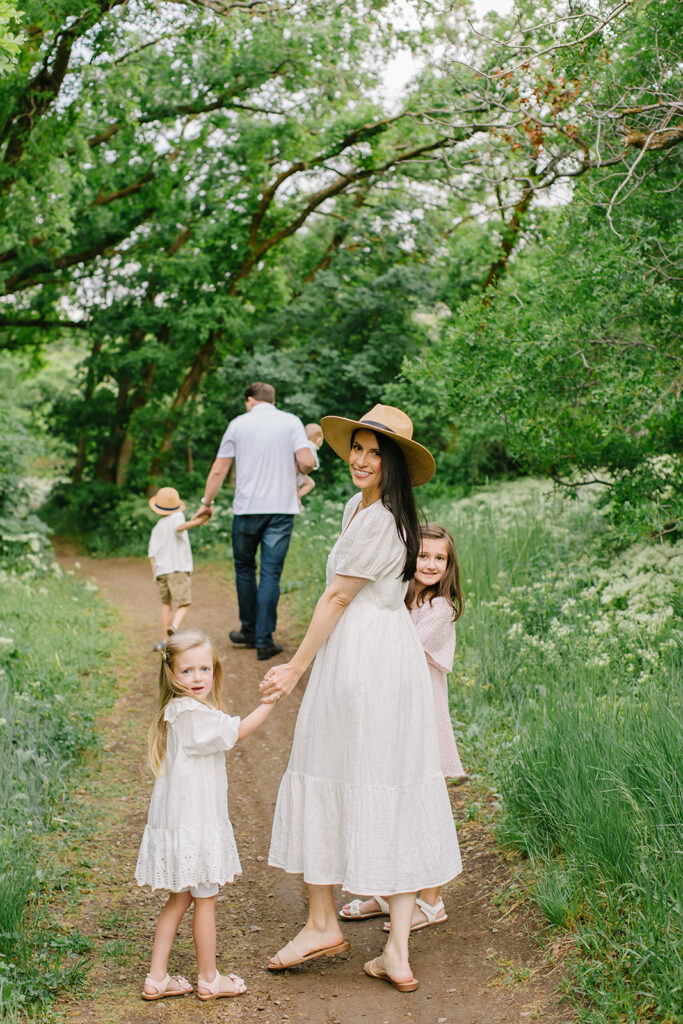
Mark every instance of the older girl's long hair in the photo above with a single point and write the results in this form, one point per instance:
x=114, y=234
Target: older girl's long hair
x=449, y=586
x=169, y=688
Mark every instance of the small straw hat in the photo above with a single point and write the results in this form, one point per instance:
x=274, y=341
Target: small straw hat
x=387, y=420
x=166, y=501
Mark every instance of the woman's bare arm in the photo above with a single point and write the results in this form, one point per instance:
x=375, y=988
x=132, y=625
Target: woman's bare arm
x=281, y=679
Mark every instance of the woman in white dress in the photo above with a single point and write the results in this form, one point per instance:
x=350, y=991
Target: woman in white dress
x=363, y=803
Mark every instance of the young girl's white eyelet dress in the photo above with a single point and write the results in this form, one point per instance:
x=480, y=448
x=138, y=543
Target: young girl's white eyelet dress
x=188, y=840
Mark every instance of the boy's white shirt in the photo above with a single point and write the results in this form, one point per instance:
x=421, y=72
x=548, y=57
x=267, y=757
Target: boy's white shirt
x=170, y=550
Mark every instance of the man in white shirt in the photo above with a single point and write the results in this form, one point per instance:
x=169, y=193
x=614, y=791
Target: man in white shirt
x=267, y=445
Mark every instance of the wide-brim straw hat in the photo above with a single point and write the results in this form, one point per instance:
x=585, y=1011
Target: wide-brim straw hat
x=166, y=501
x=392, y=423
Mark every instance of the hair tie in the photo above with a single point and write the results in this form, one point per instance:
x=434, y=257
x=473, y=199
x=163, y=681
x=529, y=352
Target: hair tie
x=164, y=656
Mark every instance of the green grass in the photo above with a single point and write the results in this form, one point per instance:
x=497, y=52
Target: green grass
x=566, y=696
x=52, y=686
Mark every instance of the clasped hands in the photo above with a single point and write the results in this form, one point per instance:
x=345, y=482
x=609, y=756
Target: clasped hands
x=278, y=682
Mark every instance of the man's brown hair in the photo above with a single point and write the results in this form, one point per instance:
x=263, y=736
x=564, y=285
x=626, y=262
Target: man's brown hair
x=260, y=392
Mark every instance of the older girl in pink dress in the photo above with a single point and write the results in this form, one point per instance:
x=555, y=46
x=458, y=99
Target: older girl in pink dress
x=435, y=601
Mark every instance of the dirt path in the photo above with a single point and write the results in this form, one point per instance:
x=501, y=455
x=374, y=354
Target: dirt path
x=484, y=966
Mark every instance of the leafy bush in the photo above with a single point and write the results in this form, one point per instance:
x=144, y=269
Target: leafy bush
x=23, y=536
x=568, y=687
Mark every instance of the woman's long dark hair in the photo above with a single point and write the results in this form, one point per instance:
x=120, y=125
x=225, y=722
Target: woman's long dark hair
x=398, y=497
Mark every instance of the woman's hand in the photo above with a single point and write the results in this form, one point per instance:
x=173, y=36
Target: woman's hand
x=279, y=682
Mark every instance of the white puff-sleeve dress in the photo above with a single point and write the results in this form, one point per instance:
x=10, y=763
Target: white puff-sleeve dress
x=435, y=628
x=188, y=840
x=363, y=802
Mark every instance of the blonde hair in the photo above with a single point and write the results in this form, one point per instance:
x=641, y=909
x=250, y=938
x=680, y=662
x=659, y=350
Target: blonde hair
x=169, y=688
x=313, y=430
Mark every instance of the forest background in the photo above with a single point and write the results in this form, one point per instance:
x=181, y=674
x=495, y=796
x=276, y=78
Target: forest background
x=197, y=195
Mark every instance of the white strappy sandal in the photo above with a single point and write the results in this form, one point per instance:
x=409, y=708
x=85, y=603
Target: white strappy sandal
x=354, y=913
x=430, y=914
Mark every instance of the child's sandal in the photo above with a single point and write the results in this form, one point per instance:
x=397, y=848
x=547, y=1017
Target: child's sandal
x=161, y=987
x=214, y=987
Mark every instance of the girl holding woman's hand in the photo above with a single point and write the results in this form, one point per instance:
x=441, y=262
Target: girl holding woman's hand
x=364, y=803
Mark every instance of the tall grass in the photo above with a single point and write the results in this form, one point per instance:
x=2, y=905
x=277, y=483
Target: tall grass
x=567, y=698
x=570, y=684
x=52, y=685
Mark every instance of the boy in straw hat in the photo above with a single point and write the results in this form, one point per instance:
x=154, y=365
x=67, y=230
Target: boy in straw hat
x=171, y=557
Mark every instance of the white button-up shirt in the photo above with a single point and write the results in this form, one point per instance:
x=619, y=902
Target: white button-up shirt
x=263, y=443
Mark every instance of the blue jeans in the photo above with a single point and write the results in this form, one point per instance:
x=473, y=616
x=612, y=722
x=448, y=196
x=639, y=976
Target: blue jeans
x=258, y=605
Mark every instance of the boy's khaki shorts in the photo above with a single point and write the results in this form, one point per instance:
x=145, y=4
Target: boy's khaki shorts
x=175, y=588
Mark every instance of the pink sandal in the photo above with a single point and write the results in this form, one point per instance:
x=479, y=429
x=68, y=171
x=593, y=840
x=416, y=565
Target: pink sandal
x=214, y=987
x=161, y=987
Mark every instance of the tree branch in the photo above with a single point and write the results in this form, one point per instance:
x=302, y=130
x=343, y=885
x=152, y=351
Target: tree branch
x=43, y=89
x=30, y=276
x=564, y=46
x=657, y=139
x=360, y=134
x=579, y=483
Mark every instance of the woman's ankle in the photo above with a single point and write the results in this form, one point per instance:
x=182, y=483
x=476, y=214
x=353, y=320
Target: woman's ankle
x=431, y=896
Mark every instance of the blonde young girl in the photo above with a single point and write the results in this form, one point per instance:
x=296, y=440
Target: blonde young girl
x=435, y=601
x=188, y=846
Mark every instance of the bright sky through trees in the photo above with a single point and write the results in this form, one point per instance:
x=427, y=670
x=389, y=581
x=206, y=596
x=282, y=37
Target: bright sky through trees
x=403, y=66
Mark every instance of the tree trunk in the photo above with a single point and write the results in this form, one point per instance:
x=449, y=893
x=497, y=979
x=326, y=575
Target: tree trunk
x=186, y=391
x=79, y=466
x=139, y=400
x=510, y=237
x=106, y=464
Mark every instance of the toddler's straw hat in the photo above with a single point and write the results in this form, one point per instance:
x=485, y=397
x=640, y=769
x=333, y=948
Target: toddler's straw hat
x=387, y=420
x=166, y=501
